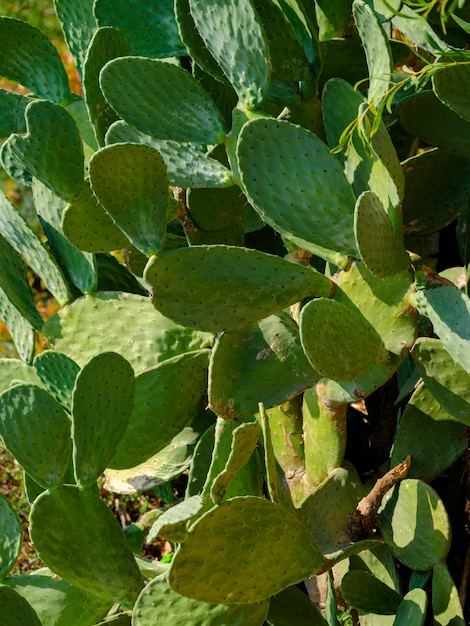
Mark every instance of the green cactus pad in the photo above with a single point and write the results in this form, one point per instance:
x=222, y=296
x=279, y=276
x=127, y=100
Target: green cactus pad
x=436, y=183
x=107, y=43
x=16, y=610
x=223, y=288
x=187, y=164
x=171, y=525
x=412, y=609
x=439, y=126
x=101, y=322
x=445, y=598
x=57, y=374
x=418, y=30
x=36, y=430
x=449, y=311
x=102, y=404
x=20, y=329
x=158, y=602
x=167, y=464
x=194, y=43
x=89, y=227
x=94, y=554
x=214, y=209
x=376, y=47
x=12, y=370
x=362, y=590
x=11, y=538
x=120, y=619
x=166, y=398
x=29, y=58
x=151, y=95
x=80, y=266
x=381, y=249
x=292, y=602
x=434, y=438
x=51, y=149
x=25, y=241
x=286, y=56
x=14, y=284
x=325, y=512
x=78, y=25
x=383, y=302
x=324, y=434
x=131, y=175
x=375, y=168
x=333, y=18
x=245, y=362
x=235, y=38
x=451, y=87
x=314, y=208
x=58, y=602
x=446, y=380
x=241, y=567
x=150, y=30
x=12, y=107
x=414, y=524
x=328, y=328
x=244, y=442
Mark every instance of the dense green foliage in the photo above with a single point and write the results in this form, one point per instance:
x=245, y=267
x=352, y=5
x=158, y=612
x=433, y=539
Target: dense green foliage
x=289, y=325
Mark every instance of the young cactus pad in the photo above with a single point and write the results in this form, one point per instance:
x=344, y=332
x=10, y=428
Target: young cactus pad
x=242, y=567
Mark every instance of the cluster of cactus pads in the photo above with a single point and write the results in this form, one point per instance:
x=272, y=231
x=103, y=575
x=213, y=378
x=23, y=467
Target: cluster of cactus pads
x=281, y=247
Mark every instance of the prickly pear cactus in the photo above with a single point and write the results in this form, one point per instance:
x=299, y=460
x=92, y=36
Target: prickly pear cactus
x=234, y=261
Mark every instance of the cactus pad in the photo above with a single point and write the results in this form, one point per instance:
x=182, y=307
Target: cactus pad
x=445, y=598
x=103, y=399
x=10, y=541
x=362, y=590
x=314, y=208
x=80, y=266
x=159, y=602
x=29, y=58
x=36, y=430
x=377, y=49
x=151, y=95
x=150, y=30
x=78, y=25
x=412, y=609
x=166, y=398
x=451, y=86
x=25, y=241
x=12, y=107
x=171, y=525
x=16, y=610
x=447, y=381
x=245, y=361
x=51, y=149
x=235, y=38
x=449, y=312
x=414, y=524
x=93, y=555
x=433, y=437
x=221, y=287
x=58, y=602
x=328, y=328
x=20, y=329
x=187, y=164
x=107, y=43
x=13, y=370
x=57, y=374
x=381, y=249
x=242, y=567
x=101, y=323
x=131, y=175
x=89, y=227
x=290, y=602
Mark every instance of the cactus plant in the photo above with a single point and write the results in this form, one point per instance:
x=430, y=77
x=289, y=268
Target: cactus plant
x=243, y=246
